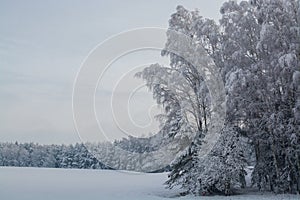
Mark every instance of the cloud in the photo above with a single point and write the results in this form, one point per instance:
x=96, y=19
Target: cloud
x=42, y=45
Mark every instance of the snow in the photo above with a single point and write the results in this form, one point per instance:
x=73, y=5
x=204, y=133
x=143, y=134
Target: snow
x=296, y=78
x=289, y=60
x=72, y=184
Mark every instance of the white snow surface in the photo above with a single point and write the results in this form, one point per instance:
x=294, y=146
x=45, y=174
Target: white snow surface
x=72, y=184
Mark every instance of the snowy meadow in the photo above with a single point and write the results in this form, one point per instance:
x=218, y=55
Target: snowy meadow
x=75, y=184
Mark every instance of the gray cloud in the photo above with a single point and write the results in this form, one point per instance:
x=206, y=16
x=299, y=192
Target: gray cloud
x=42, y=45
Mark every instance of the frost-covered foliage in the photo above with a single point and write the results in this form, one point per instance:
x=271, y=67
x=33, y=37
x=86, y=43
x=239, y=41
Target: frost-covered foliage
x=223, y=169
x=219, y=172
x=274, y=126
x=256, y=47
x=184, y=168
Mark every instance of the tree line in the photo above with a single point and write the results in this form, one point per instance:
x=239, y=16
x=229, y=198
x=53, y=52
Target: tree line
x=125, y=154
x=50, y=156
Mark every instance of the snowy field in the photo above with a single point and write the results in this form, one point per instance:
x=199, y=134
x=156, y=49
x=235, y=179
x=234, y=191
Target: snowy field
x=66, y=184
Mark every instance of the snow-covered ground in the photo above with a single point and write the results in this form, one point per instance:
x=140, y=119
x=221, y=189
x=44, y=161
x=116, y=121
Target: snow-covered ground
x=66, y=184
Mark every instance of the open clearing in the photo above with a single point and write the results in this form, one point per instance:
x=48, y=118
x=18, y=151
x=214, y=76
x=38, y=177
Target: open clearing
x=67, y=184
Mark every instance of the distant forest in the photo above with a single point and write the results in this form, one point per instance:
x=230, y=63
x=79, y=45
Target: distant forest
x=50, y=156
x=105, y=155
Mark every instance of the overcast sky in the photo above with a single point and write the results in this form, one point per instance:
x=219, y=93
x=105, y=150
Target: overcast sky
x=42, y=45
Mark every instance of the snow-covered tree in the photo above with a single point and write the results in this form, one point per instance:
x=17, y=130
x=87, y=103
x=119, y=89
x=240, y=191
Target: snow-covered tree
x=256, y=48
